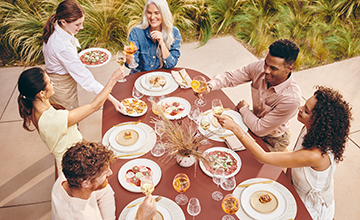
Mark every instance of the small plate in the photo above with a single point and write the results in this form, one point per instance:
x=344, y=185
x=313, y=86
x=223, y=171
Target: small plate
x=262, y=210
x=141, y=138
x=162, y=213
x=136, y=105
x=96, y=49
x=146, y=85
x=155, y=169
x=182, y=102
x=223, y=149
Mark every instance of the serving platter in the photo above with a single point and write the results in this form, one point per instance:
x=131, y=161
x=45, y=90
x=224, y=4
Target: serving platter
x=95, y=49
x=135, y=113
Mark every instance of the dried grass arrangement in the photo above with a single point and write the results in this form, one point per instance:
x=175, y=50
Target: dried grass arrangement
x=181, y=136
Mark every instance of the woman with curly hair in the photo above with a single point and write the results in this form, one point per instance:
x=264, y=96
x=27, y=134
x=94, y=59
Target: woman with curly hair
x=326, y=117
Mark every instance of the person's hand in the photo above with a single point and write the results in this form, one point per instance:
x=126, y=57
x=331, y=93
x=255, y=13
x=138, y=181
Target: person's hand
x=157, y=35
x=241, y=104
x=129, y=58
x=119, y=73
x=118, y=106
x=226, y=122
x=147, y=209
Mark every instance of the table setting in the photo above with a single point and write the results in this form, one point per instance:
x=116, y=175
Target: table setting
x=239, y=183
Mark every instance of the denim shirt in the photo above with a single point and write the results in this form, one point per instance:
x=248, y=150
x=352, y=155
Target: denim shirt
x=146, y=57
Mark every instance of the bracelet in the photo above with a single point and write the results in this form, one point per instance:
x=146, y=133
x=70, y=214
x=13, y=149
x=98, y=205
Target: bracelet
x=210, y=86
x=242, y=136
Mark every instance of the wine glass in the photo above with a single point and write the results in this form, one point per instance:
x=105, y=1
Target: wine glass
x=130, y=48
x=162, y=83
x=136, y=93
x=150, y=82
x=218, y=178
x=158, y=150
x=217, y=109
x=204, y=122
x=229, y=183
x=193, y=207
x=120, y=59
x=181, y=183
x=194, y=113
x=147, y=185
x=230, y=205
x=198, y=84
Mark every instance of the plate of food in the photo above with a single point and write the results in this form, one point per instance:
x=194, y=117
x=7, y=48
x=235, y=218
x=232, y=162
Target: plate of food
x=130, y=173
x=128, y=138
x=263, y=201
x=134, y=107
x=95, y=57
x=221, y=157
x=175, y=107
x=156, y=81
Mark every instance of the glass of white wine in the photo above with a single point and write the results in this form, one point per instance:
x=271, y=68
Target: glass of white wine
x=162, y=83
x=147, y=185
x=121, y=59
x=204, y=122
x=217, y=109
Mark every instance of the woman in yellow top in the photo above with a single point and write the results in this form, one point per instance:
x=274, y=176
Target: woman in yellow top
x=56, y=126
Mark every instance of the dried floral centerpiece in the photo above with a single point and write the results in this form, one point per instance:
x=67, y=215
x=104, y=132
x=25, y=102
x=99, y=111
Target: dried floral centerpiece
x=182, y=137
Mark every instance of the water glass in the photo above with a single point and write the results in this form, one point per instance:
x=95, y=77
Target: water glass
x=158, y=150
x=229, y=183
x=194, y=207
x=136, y=93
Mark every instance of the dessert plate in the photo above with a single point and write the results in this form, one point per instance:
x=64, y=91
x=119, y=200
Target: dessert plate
x=118, y=142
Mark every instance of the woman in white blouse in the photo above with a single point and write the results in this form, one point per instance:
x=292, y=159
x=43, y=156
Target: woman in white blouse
x=326, y=117
x=62, y=62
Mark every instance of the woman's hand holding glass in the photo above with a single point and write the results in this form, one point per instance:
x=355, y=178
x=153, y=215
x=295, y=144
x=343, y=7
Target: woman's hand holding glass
x=121, y=59
x=217, y=109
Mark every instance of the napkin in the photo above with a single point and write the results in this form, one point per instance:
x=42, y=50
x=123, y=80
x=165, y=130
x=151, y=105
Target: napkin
x=234, y=143
x=179, y=80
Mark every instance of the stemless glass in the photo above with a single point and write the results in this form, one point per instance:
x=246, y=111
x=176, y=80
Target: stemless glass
x=218, y=178
x=193, y=207
x=198, y=84
x=194, y=113
x=229, y=183
x=158, y=150
x=204, y=123
x=230, y=205
x=181, y=183
x=136, y=93
x=147, y=185
x=121, y=59
x=217, y=109
x=130, y=48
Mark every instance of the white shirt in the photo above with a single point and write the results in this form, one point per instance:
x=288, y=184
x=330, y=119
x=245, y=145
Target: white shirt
x=100, y=205
x=61, y=57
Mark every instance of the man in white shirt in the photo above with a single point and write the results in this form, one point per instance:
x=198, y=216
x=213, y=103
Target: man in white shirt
x=82, y=190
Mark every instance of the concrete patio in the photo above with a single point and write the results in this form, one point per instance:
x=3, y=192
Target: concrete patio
x=27, y=168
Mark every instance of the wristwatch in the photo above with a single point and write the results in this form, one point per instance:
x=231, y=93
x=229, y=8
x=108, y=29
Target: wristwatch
x=210, y=86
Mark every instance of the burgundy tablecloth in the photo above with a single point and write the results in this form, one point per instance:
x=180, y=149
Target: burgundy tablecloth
x=201, y=186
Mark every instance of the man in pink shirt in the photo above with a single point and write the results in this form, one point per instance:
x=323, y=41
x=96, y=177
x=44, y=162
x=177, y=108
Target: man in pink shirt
x=275, y=94
x=82, y=190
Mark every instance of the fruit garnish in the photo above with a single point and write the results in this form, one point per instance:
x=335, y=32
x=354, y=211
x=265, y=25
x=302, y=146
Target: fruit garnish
x=195, y=84
x=131, y=45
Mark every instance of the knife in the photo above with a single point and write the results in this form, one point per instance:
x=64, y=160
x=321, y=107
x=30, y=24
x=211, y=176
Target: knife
x=184, y=81
x=157, y=199
x=249, y=184
x=128, y=123
x=206, y=113
x=132, y=154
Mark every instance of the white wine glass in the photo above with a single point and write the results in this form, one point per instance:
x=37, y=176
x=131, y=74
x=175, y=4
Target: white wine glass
x=229, y=183
x=218, y=178
x=121, y=59
x=198, y=84
x=181, y=184
x=147, y=185
x=217, y=109
x=149, y=82
x=204, y=122
x=136, y=93
x=194, y=207
x=162, y=83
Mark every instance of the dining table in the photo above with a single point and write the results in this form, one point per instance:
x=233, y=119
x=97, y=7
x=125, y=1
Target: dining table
x=201, y=185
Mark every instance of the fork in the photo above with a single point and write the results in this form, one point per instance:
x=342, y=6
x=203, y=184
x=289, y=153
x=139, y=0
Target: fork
x=183, y=78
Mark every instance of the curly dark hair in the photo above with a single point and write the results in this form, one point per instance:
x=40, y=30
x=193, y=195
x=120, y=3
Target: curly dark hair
x=331, y=123
x=285, y=49
x=86, y=161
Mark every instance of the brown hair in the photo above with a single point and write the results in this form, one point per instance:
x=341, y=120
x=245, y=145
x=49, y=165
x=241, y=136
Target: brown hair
x=85, y=161
x=69, y=10
x=331, y=123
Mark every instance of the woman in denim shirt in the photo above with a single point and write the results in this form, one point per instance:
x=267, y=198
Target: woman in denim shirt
x=157, y=40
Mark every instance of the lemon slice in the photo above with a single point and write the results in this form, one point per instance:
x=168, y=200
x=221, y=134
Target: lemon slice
x=131, y=45
x=177, y=184
x=195, y=84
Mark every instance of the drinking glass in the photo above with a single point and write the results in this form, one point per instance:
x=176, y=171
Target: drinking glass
x=230, y=205
x=136, y=93
x=217, y=109
x=194, y=113
x=120, y=59
x=147, y=185
x=162, y=83
x=218, y=178
x=181, y=183
x=198, y=84
x=158, y=150
x=229, y=183
x=130, y=48
x=204, y=122
x=148, y=80
x=193, y=207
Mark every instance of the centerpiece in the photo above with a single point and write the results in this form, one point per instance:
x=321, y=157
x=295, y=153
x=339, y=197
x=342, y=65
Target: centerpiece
x=183, y=138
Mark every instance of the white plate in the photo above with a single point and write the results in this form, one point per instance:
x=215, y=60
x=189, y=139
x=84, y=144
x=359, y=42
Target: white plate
x=135, y=114
x=246, y=205
x=138, y=162
x=172, y=86
x=96, y=48
x=182, y=101
x=176, y=212
x=159, y=207
x=141, y=141
x=234, y=115
x=146, y=85
x=235, y=155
